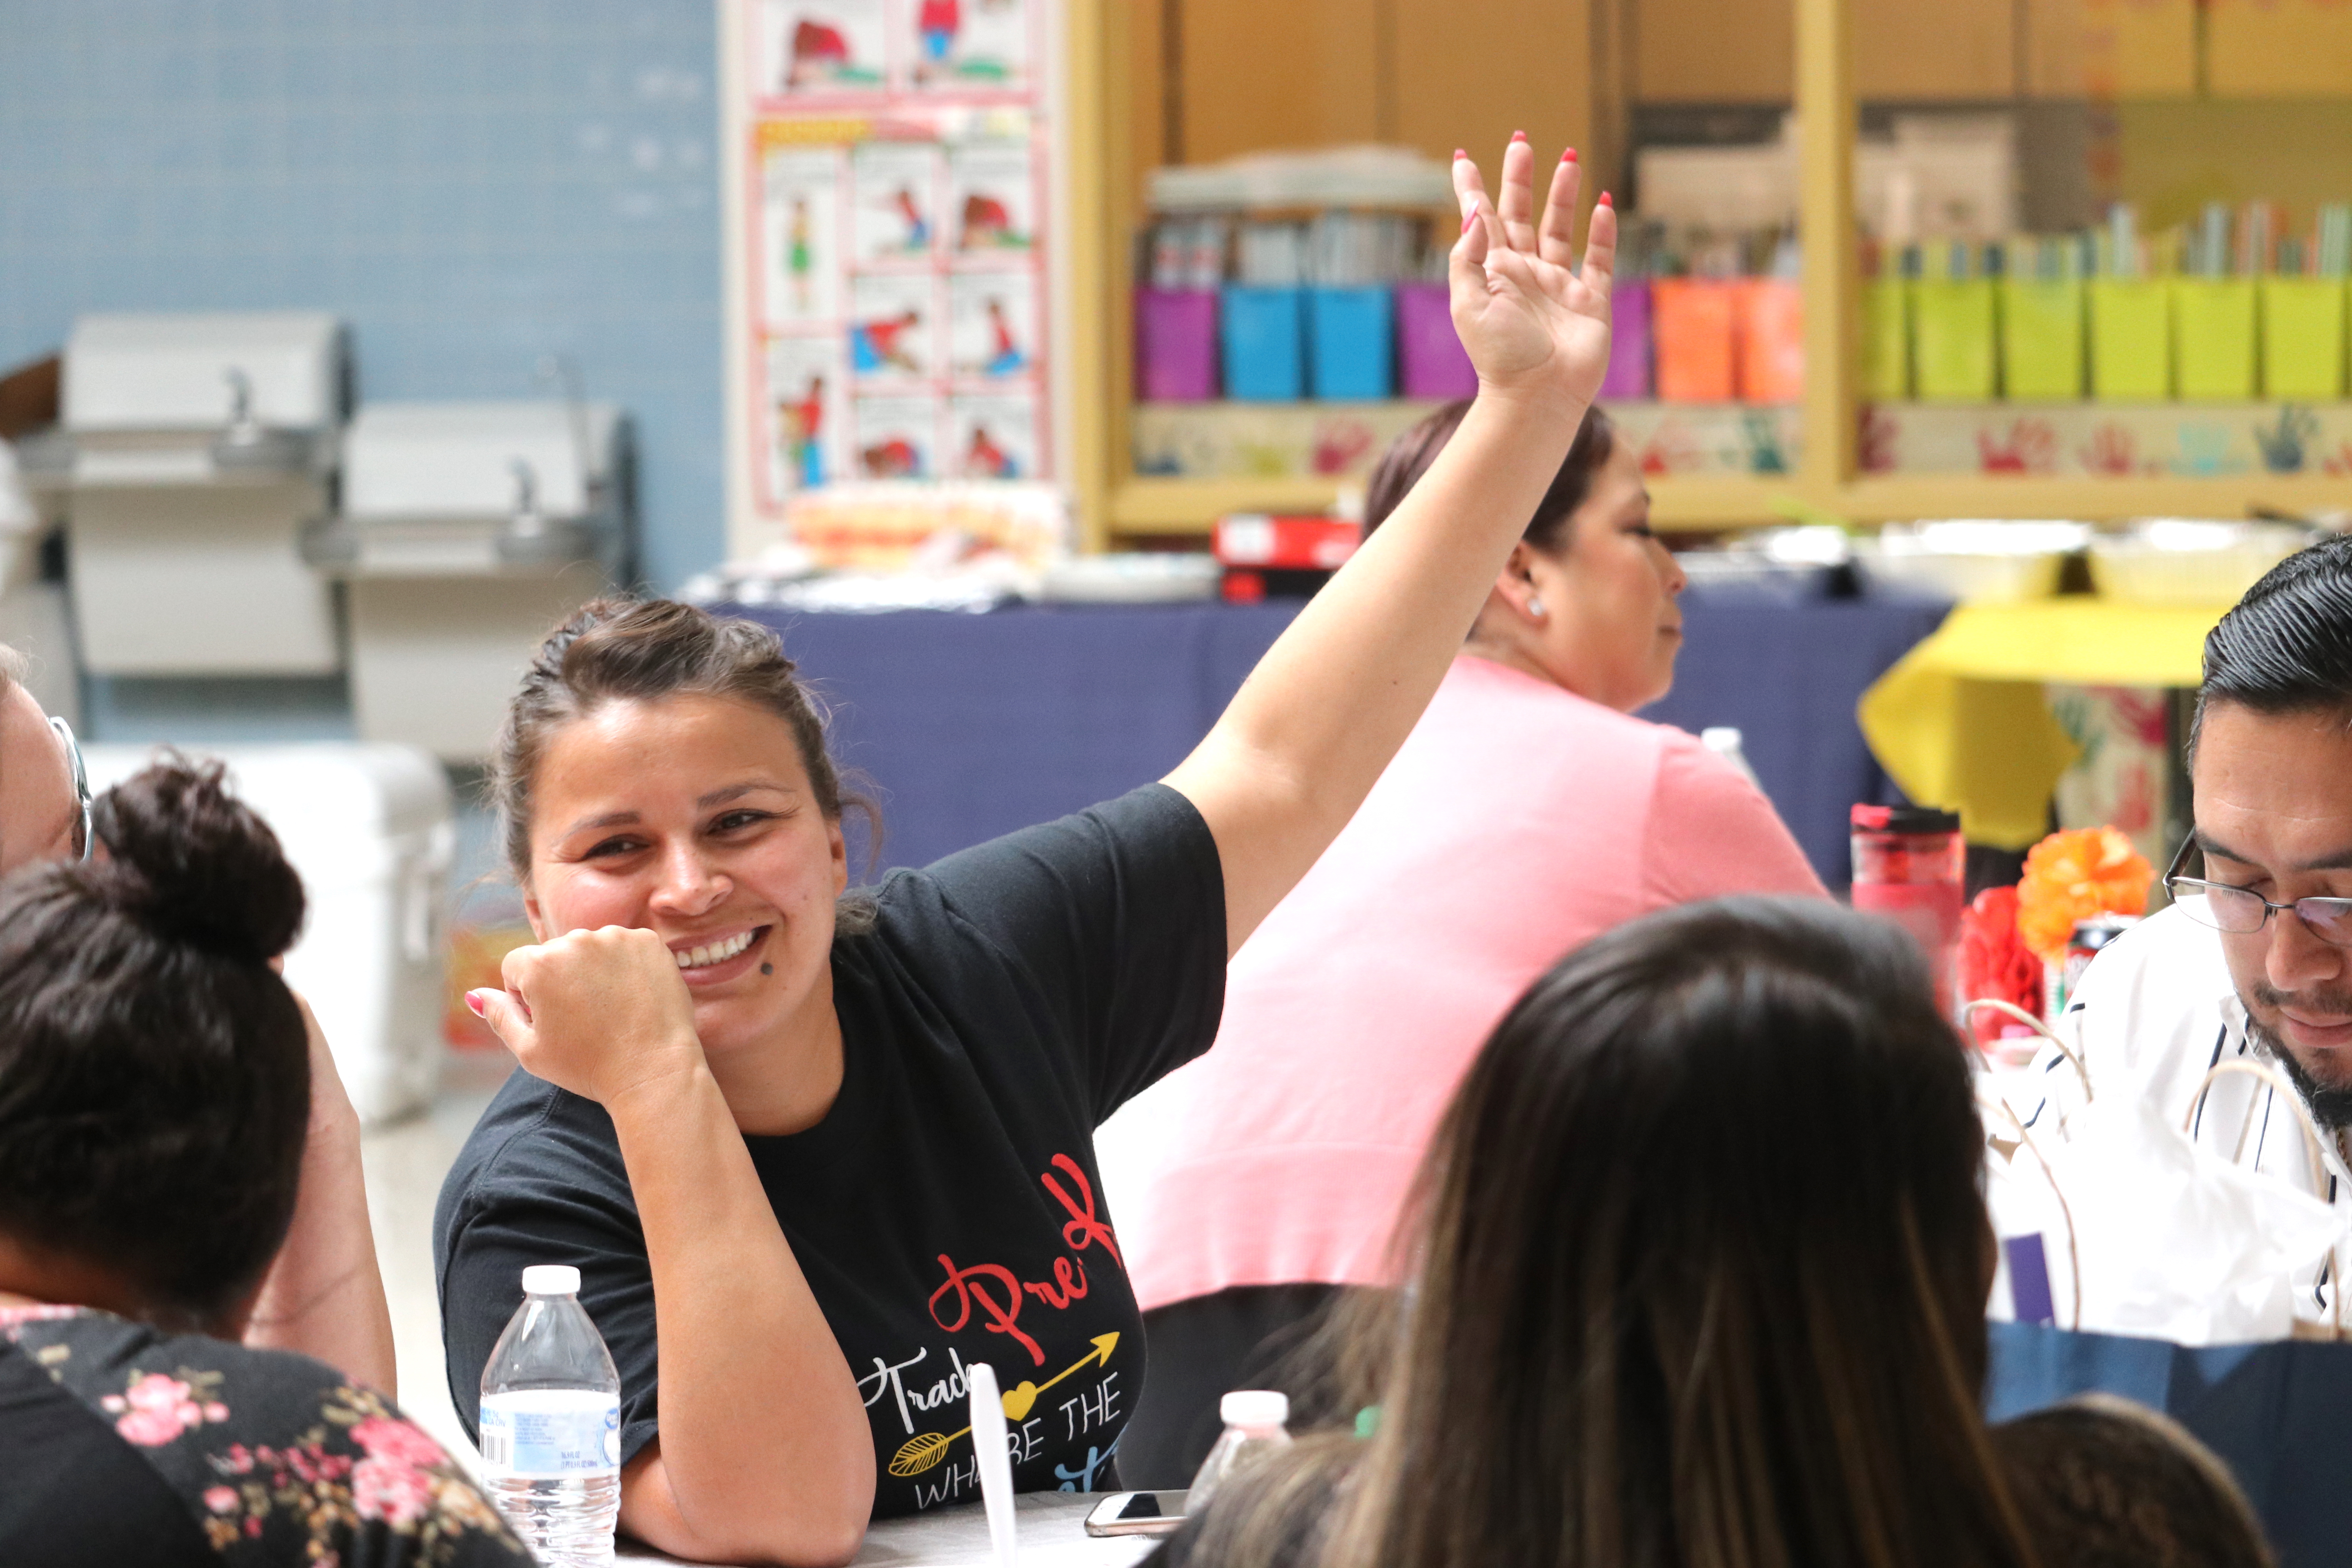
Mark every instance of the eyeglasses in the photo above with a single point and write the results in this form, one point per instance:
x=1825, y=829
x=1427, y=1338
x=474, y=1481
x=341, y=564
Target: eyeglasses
x=84, y=839
x=2241, y=912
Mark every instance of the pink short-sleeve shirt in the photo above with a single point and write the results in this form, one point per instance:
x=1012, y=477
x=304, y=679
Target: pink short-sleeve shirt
x=1518, y=820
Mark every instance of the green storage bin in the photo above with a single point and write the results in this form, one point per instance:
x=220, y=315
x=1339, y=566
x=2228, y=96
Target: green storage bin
x=2041, y=338
x=2131, y=340
x=2213, y=338
x=1952, y=339
x=1885, y=340
x=2303, y=337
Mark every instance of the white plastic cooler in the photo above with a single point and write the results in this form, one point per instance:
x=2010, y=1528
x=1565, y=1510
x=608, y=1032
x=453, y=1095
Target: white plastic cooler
x=367, y=828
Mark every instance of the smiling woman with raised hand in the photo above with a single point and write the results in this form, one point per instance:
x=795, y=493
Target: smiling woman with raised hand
x=817, y=1153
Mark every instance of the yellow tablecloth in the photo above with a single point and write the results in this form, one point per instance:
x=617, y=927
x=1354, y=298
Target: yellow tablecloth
x=1961, y=723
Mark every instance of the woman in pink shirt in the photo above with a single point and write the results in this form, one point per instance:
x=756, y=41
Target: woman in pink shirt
x=1528, y=811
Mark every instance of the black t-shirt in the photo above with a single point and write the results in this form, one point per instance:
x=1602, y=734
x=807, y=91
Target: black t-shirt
x=947, y=1210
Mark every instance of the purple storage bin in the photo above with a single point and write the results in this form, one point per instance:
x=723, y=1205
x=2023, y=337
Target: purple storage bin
x=1431, y=361
x=1628, y=341
x=1176, y=344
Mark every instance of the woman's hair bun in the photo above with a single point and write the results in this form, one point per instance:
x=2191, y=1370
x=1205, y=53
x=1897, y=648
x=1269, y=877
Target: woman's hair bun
x=196, y=864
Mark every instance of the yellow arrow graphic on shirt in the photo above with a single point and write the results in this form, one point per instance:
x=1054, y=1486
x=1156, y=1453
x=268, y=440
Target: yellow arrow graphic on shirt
x=927, y=1448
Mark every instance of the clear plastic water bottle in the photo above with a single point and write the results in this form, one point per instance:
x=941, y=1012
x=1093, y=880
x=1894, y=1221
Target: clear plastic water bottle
x=1255, y=1430
x=551, y=1424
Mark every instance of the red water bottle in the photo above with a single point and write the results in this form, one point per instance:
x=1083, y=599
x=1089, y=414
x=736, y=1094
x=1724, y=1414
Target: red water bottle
x=1910, y=865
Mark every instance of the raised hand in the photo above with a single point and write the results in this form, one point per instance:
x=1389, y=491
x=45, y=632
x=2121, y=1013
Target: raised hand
x=1533, y=327
x=595, y=1012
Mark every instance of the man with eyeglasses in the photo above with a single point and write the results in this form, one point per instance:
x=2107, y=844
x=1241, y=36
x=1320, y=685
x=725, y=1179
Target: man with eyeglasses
x=2254, y=958
x=323, y=1295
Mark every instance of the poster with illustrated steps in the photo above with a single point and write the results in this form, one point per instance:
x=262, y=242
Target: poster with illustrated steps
x=888, y=309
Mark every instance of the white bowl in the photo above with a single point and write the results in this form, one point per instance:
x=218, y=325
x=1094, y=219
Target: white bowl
x=2182, y=561
x=1978, y=560
x=1973, y=579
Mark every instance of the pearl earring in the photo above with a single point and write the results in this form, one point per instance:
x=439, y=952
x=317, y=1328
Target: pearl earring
x=1535, y=607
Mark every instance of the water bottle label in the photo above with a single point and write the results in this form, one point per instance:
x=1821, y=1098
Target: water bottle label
x=550, y=1432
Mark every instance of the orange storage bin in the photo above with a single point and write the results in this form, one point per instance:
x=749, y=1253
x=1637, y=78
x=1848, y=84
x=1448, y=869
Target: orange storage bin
x=1693, y=336
x=1770, y=337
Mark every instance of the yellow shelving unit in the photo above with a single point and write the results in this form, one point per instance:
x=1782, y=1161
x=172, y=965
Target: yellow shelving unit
x=1114, y=502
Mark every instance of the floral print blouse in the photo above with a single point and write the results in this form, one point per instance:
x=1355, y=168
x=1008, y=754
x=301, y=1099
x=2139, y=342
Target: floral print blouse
x=120, y=1443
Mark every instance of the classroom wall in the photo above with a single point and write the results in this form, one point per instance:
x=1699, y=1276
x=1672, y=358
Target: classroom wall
x=471, y=184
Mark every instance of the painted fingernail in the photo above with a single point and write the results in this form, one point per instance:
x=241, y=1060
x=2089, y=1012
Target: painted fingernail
x=474, y=1000
x=1519, y=135
x=1568, y=157
x=1467, y=220
x=1605, y=201
x=1459, y=153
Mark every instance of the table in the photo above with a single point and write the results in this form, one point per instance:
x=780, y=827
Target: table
x=972, y=725
x=1960, y=722
x=1052, y=1534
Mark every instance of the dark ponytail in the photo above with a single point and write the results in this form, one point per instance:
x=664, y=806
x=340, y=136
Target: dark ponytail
x=154, y=1072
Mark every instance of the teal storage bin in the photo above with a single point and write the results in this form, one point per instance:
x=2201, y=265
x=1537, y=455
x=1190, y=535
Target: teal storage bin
x=1351, y=343
x=1265, y=343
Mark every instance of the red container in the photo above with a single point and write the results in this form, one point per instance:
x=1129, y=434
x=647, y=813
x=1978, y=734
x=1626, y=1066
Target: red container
x=1287, y=543
x=1910, y=865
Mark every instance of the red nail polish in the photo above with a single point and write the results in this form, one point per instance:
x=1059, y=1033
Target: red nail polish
x=1459, y=153
x=1467, y=221
x=1519, y=135
x=1605, y=201
x=474, y=1002
x=1568, y=157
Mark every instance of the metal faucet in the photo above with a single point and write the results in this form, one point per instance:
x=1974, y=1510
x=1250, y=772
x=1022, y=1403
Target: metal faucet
x=244, y=429
x=529, y=521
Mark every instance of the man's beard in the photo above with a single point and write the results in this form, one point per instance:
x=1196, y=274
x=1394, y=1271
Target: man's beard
x=2331, y=1108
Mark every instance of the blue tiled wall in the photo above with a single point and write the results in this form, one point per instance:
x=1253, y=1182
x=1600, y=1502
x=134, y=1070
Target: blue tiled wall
x=471, y=184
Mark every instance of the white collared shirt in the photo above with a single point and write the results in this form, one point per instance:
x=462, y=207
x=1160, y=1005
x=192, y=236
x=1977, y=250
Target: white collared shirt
x=2153, y=1015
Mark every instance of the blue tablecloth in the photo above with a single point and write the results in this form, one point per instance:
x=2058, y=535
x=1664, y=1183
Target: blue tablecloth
x=969, y=726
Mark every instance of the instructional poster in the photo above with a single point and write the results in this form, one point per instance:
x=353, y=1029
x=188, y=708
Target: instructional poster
x=895, y=179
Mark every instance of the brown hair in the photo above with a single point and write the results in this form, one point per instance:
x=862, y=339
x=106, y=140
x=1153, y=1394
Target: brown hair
x=1698, y=1266
x=621, y=649
x=154, y=1072
x=2110, y=1484
x=1410, y=455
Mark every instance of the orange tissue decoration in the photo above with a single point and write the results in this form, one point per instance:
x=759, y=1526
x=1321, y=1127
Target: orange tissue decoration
x=1995, y=963
x=2072, y=876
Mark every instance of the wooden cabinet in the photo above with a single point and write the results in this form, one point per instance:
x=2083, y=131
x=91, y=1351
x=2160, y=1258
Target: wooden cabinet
x=1714, y=51
x=1925, y=49
x=2279, y=48
x=1251, y=76
x=1469, y=72
x=2110, y=49
x=1190, y=81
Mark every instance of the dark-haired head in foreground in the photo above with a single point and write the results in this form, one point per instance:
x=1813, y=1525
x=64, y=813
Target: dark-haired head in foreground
x=2110, y=1484
x=2270, y=764
x=1698, y=1264
x=154, y=1077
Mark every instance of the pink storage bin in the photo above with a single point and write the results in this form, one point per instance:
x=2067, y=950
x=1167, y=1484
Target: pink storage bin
x=1176, y=344
x=1431, y=361
x=1628, y=377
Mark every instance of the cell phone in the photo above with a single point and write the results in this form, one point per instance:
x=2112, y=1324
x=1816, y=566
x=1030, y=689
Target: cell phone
x=1138, y=1513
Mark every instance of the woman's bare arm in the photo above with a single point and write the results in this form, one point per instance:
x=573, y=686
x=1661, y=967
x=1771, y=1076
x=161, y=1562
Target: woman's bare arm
x=765, y=1454
x=1309, y=732
x=323, y=1295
